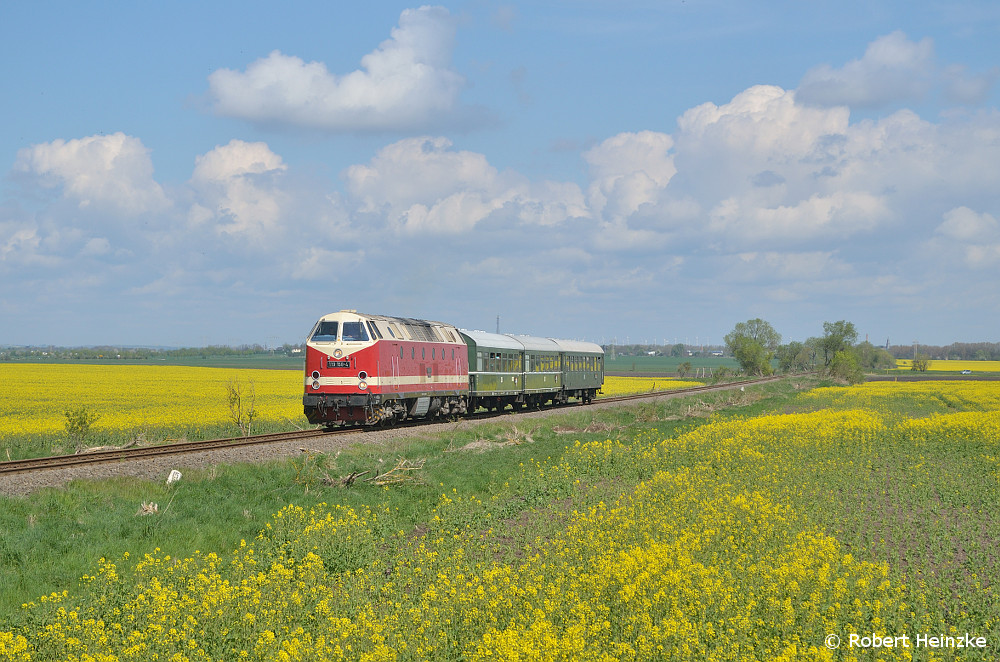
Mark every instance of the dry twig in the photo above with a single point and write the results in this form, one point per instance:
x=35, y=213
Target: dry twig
x=398, y=474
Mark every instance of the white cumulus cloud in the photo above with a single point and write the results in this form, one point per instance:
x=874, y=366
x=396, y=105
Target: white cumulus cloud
x=236, y=186
x=406, y=83
x=110, y=173
x=628, y=171
x=966, y=238
x=422, y=184
x=893, y=69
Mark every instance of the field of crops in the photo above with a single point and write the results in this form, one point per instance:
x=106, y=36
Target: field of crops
x=616, y=386
x=129, y=400
x=953, y=366
x=852, y=524
x=164, y=400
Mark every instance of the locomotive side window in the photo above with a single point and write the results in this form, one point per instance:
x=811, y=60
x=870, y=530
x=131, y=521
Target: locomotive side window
x=354, y=331
x=325, y=332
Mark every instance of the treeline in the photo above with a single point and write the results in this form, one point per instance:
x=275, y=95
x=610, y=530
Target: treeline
x=959, y=351
x=755, y=345
x=140, y=353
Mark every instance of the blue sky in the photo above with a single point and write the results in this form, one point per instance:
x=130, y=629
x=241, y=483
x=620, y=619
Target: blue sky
x=190, y=173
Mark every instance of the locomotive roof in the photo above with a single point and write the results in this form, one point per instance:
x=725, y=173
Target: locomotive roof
x=388, y=318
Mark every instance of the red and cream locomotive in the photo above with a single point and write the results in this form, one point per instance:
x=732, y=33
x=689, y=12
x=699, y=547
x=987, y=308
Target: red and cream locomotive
x=372, y=369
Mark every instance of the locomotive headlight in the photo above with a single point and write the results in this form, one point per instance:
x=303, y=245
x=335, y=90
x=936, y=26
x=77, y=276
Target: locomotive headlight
x=362, y=375
x=362, y=385
x=315, y=374
x=315, y=384
x=337, y=353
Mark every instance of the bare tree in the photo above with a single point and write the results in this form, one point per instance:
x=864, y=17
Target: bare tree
x=242, y=397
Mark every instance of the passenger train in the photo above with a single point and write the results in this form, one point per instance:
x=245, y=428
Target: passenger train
x=376, y=370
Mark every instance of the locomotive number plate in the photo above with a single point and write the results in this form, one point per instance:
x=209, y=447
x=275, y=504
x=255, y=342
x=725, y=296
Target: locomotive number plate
x=338, y=364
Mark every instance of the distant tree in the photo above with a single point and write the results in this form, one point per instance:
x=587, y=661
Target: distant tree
x=873, y=358
x=677, y=350
x=837, y=336
x=683, y=368
x=753, y=344
x=793, y=356
x=920, y=363
x=844, y=366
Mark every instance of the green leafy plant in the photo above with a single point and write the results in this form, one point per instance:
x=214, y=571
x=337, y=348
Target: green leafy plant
x=78, y=424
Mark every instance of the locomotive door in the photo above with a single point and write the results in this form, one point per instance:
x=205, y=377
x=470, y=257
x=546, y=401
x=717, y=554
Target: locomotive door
x=394, y=363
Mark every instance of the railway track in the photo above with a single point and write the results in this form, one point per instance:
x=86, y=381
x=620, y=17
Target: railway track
x=143, y=452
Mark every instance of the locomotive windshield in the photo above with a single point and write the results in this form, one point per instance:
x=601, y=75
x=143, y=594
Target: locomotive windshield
x=325, y=332
x=354, y=331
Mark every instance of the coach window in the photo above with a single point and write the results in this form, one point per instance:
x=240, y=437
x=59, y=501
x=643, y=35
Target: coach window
x=413, y=353
x=423, y=353
x=400, y=352
x=434, y=353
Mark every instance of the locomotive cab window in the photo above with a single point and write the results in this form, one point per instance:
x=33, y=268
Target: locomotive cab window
x=325, y=332
x=353, y=332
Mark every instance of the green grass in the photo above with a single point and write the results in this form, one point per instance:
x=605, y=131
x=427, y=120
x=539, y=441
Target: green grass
x=17, y=447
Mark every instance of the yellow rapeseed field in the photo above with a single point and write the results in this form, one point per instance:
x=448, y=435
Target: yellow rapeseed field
x=615, y=386
x=34, y=397
x=131, y=397
x=939, y=364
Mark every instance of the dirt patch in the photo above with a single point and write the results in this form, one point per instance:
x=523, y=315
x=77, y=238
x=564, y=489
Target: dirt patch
x=596, y=427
